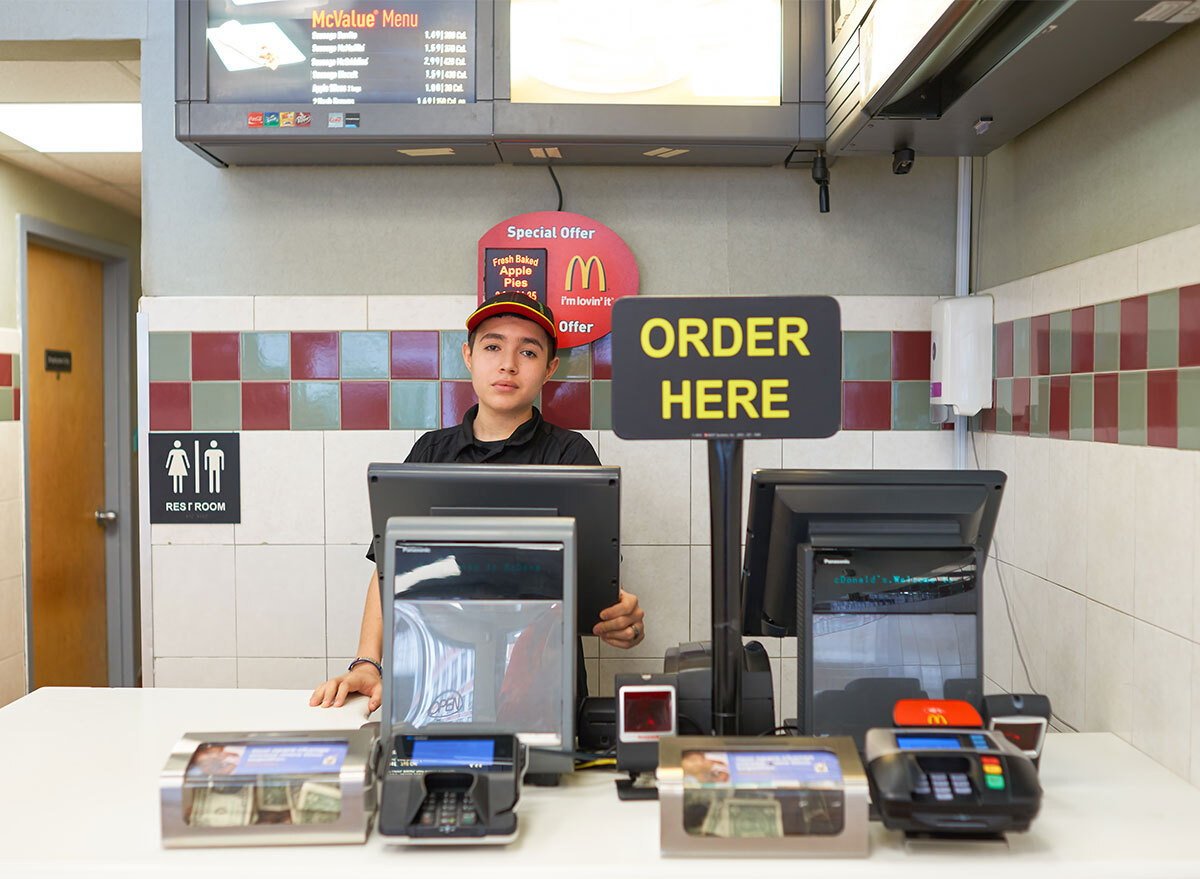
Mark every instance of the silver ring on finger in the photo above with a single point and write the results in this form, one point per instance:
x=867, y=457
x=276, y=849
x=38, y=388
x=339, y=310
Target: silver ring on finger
x=636, y=633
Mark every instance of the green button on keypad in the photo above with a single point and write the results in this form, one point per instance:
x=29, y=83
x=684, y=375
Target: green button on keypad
x=995, y=782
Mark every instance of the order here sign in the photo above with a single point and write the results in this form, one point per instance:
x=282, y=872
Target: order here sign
x=753, y=367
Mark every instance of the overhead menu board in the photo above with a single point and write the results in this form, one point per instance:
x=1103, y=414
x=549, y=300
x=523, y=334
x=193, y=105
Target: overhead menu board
x=666, y=52
x=333, y=54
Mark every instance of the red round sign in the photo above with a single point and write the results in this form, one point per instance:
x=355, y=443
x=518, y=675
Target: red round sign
x=570, y=262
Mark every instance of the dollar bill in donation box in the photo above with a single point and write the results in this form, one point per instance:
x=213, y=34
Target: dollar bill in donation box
x=268, y=788
x=783, y=796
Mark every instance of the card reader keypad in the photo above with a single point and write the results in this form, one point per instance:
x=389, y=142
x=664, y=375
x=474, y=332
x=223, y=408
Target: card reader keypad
x=447, y=812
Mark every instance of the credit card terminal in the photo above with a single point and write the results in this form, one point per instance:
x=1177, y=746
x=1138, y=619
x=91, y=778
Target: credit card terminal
x=956, y=781
x=451, y=790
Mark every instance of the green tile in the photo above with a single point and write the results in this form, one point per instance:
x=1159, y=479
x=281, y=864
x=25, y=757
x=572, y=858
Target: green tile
x=366, y=355
x=1039, y=406
x=452, y=366
x=1108, y=337
x=910, y=406
x=1060, y=343
x=866, y=356
x=216, y=406
x=1189, y=408
x=6, y=404
x=1082, y=400
x=1131, y=408
x=16, y=371
x=1021, y=348
x=415, y=405
x=170, y=357
x=266, y=356
x=315, y=406
x=601, y=405
x=1162, y=320
x=574, y=363
x=1004, y=405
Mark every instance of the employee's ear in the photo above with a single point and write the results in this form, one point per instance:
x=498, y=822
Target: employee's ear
x=467, y=355
x=551, y=366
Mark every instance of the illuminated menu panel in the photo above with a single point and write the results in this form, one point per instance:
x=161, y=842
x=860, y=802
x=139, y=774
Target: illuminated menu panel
x=340, y=54
x=665, y=52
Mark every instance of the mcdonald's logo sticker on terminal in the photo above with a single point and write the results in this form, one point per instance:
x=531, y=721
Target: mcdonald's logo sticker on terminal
x=585, y=273
x=937, y=720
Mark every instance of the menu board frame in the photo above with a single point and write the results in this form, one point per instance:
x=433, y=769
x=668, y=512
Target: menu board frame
x=222, y=132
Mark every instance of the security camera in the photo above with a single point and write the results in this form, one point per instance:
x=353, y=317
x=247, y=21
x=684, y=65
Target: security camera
x=902, y=161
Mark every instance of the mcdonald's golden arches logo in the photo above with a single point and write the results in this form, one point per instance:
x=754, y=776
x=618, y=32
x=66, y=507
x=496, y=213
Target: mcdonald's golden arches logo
x=937, y=720
x=585, y=273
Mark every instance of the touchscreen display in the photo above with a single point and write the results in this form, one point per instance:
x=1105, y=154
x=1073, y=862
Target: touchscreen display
x=343, y=53
x=928, y=743
x=474, y=753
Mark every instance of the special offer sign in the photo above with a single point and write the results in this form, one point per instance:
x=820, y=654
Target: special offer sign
x=572, y=263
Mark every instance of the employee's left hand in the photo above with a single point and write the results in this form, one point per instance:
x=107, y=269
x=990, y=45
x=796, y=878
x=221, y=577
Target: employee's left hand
x=621, y=625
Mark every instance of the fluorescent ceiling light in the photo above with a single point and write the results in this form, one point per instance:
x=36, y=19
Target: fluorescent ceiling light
x=74, y=128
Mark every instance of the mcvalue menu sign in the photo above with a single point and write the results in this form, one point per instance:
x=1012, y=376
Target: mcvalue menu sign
x=736, y=367
x=195, y=478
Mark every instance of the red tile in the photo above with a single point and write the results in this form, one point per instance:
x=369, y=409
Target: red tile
x=1104, y=408
x=16, y=404
x=265, y=406
x=6, y=371
x=1060, y=406
x=215, y=357
x=170, y=406
x=415, y=354
x=1162, y=408
x=989, y=420
x=1189, y=325
x=568, y=404
x=866, y=405
x=602, y=357
x=1020, y=405
x=910, y=355
x=1004, y=349
x=314, y=355
x=457, y=398
x=1039, y=344
x=1083, y=339
x=1133, y=332
x=365, y=405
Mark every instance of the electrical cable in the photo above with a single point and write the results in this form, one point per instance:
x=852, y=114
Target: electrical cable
x=554, y=177
x=1012, y=623
x=785, y=728
x=602, y=763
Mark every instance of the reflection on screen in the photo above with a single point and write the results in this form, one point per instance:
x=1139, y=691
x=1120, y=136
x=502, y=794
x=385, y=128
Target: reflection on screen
x=928, y=743
x=672, y=52
x=454, y=752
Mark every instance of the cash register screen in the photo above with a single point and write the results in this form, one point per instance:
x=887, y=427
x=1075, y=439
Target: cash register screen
x=928, y=743
x=476, y=753
x=479, y=634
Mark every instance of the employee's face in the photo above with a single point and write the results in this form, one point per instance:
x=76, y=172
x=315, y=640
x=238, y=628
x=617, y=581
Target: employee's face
x=509, y=363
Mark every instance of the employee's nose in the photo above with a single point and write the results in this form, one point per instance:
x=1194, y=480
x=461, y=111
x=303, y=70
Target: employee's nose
x=509, y=363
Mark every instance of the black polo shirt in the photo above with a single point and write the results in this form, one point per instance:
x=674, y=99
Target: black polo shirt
x=537, y=441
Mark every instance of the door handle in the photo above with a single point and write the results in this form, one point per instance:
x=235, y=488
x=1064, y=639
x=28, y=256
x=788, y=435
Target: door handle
x=106, y=517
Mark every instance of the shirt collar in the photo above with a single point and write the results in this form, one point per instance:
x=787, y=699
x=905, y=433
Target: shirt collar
x=522, y=435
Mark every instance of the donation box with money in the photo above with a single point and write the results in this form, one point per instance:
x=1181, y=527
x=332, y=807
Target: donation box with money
x=269, y=788
x=782, y=796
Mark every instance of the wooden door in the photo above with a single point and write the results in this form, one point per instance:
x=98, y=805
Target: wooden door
x=66, y=471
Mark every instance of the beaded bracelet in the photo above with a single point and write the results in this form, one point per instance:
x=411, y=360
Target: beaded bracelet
x=378, y=667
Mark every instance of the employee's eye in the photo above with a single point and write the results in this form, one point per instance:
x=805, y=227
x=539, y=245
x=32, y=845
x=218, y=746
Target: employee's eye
x=491, y=346
x=530, y=352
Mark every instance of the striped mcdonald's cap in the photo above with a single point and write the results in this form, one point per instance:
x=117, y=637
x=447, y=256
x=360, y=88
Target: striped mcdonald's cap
x=517, y=304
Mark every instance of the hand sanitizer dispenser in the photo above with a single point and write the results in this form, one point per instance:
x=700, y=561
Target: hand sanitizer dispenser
x=961, y=355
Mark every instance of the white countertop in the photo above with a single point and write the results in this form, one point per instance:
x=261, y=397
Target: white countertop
x=79, y=797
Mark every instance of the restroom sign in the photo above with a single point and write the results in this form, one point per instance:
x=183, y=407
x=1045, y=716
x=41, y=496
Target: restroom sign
x=195, y=478
x=728, y=367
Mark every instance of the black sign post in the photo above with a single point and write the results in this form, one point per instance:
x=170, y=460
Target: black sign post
x=726, y=369
x=195, y=478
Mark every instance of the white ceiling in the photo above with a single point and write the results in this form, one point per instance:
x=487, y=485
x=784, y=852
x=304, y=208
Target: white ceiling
x=112, y=177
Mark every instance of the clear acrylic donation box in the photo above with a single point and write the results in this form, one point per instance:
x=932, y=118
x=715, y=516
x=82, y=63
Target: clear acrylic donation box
x=269, y=788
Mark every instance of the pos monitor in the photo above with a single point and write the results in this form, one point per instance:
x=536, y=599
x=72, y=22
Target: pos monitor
x=878, y=573
x=589, y=495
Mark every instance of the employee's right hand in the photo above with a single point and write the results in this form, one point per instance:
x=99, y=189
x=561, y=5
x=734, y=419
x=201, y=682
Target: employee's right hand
x=362, y=679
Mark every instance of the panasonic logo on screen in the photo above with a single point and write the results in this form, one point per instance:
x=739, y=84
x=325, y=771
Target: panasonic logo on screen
x=415, y=549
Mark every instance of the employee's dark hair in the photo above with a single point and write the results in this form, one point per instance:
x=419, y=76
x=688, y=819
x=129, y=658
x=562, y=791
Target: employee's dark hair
x=551, y=345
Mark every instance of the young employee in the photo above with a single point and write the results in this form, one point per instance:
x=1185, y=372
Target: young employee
x=511, y=351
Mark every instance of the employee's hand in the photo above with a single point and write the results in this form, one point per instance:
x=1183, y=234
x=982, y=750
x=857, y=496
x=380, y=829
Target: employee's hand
x=621, y=625
x=362, y=679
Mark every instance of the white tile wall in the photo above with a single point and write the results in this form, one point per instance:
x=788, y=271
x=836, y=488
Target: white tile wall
x=11, y=474
x=198, y=313
x=1108, y=691
x=12, y=679
x=659, y=576
x=1026, y=493
x=1066, y=515
x=756, y=454
x=913, y=449
x=1164, y=583
x=281, y=501
x=347, y=454
x=12, y=617
x=195, y=671
x=310, y=313
x=12, y=547
x=195, y=612
x=1108, y=276
x=418, y=312
x=1196, y=714
x=1162, y=672
x=281, y=601
x=1110, y=524
x=1169, y=260
x=847, y=450
x=347, y=575
x=280, y=673
x=655, y=488
x=998, y=655
x=1066, y=653
x=1056, y=290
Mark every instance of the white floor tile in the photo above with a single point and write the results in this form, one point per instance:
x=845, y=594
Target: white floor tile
x=194, y=606
x=195, y=671
x=283, y=490
x=347, y=577
x=1164, y=585
x=347, y=454
x=281, y=601
x=1111, y=524
x=1162, y=678
x=1108, y=694
x=274, y=673
x=655, y=487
